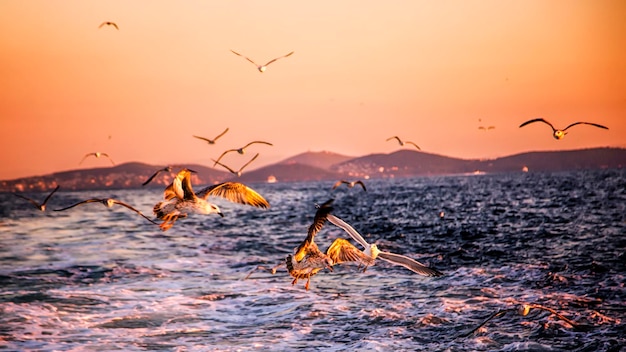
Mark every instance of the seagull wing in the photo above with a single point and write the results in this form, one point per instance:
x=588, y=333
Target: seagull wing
x=102, y=24
x=28, y=199
x=50, y=195
x=115, y=25
x=226, y=167
x=320, y=218
x=349, y=229
x=338, y=183
x=133, y=209
x=177, y=188
x=498, y=313
x=585, y=123
x=93, y=200
x=204, y=139
x=107, y=155
x=245, y=57
x=396, y=138
x=221, y=134
x=538, y=120
x=85, y=157
x=224, y=153
x=280, y=57
x=256, y=142
x=416, y=146
x=409, y=263
x=341, y=251
x=248, y=163
x=235, y=192
x=362, y=185
x=153, y=176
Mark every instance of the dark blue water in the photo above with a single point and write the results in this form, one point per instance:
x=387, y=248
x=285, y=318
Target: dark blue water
x=93, y=278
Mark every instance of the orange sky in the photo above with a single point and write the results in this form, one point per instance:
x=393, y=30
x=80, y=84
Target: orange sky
x=362, y=71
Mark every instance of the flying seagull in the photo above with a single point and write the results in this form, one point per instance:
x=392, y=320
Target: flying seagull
x=109, y=203
x=237, y=173
x=486, y=128
x=212, y=141
x=241, y=150
x=372, y=251
x=97, y=155
x=107, y=23
x=307, y=259
x=41, y=206
x=180, y=199
x=523, y=310
x=350, y=184
x=261, y=68
x=403, y=143
x=558, y=134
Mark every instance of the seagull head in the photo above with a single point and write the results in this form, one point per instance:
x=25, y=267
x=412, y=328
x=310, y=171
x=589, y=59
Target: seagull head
x=558, y=134
x=523, y=310
x=208, y=208
x=372, y=251
x=262, y=68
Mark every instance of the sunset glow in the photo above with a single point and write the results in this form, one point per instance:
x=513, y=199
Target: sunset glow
x=362, y=71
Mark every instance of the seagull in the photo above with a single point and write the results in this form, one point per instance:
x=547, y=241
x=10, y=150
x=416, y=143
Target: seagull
x=403, y=143
x=180, y=199
x=109, y=24
x=41, y=206
x=241, y=150
x=350, y=184
x=237, y=173
x=97, y=155
x=108, y=202
x=212, y=141
x=486, y=128
x=262, y=68
x=165, y=169
x=307, y=259
x=523, y=310
x=558, y=134
x=372, y=251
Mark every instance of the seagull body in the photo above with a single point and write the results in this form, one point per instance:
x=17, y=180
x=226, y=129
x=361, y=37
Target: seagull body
x=403, y=143
x=371, y=250
x=180, y=199
x=107, y=23
x=41, y=206
x=350, y=184
x=238, y=172
x=109, y=203
x=559, y=134
x=261, y=68
x=307, y=259
x=212, y=141
x=97, y=155
x=241, y=150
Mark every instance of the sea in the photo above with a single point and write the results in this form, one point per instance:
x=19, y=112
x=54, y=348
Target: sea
x=93, y=278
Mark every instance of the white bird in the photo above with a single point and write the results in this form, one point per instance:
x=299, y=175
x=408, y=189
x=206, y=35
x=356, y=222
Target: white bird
x=349, y=184
x=372, y=251
x=262, y=68
x=558, y=134
x=97, y=155
x=109, y=203
x=180, y=199
x=241, y=150
x=107, y=23
x=403, y=143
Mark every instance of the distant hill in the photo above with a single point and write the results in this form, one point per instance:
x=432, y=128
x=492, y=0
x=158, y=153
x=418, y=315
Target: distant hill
x=317, y=166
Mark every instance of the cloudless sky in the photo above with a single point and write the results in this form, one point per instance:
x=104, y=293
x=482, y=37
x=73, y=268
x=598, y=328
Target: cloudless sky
x=428, y=71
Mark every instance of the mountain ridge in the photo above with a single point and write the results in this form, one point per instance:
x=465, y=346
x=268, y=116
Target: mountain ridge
x=317, y=166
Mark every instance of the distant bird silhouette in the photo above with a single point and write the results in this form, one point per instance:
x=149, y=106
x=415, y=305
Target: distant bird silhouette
x=97, y=155
x=212, y=141
x=41, y=206
x=523, y=310
x=237, y=173
x=109, y=203
x=307, y=259
x=109, y=24
x=403, y=143
x=486, y=128
x=372, y=251
x=241, y=150
x=556, y=133
x=261, y=68
x=350, y=184
x=180, y=199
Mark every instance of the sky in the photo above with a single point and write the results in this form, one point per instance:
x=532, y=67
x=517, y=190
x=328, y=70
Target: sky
x=362, y=71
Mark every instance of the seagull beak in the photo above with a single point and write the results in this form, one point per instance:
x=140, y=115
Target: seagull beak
x=220, y=214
